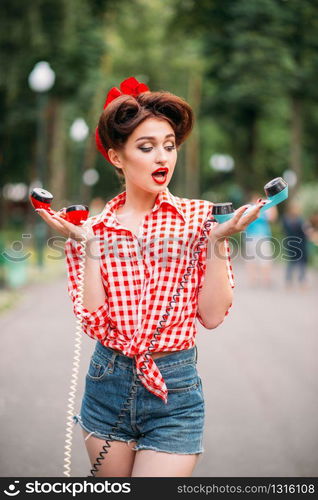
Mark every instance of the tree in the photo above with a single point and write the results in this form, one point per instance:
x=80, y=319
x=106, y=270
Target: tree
x=67, y=33
x=259, y=55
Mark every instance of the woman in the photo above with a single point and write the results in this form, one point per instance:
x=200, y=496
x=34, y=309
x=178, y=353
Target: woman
x=138, y=251
x=258, y=249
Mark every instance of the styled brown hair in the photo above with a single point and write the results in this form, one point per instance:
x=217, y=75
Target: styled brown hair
x=120, y=118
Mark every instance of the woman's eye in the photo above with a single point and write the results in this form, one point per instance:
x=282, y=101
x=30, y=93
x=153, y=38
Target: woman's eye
x=146, y=150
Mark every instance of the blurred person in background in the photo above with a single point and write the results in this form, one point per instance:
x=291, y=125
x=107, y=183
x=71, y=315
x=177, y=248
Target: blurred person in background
x=295, y=244
x=258, y=249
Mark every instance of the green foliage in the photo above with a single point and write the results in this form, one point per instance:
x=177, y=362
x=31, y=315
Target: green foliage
x=68, y=34
x=252, y=57
x=307, y=197
x=258, y=56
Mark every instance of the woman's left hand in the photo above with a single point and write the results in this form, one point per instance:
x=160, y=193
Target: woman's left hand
x=237, y=223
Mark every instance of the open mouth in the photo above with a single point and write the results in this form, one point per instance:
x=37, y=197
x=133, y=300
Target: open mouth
x=160, y=175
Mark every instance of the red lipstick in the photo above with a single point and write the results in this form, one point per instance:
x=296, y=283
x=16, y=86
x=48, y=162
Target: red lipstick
x=160, y=175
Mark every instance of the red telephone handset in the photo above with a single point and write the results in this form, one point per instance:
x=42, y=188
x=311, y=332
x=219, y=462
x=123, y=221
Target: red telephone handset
x=76, y=214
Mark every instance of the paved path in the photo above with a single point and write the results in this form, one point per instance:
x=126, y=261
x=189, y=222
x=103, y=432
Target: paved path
x=259, y=372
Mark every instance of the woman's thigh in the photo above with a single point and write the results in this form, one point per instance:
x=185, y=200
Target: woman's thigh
x=117, y=462
x=150, y=463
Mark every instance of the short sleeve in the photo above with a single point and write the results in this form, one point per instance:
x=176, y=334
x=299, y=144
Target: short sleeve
x=94, y=323
x=202, y=263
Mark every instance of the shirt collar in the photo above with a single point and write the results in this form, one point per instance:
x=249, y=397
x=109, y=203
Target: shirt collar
x=108, y=214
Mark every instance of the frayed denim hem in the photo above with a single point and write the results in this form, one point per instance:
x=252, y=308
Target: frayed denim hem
x=110, y=437
x=139, y=447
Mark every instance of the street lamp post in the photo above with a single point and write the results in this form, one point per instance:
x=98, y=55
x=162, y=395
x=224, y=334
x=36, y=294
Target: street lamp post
x=41, y=80
x=79, y=132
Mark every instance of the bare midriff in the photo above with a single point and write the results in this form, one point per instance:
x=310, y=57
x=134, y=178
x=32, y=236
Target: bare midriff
x=154, y=355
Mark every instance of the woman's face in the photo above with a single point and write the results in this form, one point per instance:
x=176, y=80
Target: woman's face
x=150, y=147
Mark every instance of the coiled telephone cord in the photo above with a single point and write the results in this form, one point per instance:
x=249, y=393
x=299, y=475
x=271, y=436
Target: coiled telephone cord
x=78, y=336
x=76, y=357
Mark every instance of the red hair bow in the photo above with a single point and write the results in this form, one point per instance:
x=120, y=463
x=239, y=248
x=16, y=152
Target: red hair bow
x=130, y=86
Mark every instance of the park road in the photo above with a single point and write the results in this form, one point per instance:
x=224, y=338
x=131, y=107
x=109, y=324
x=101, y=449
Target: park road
x=259, y=371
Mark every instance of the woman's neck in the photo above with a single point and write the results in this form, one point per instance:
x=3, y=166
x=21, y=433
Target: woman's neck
x=137, y=202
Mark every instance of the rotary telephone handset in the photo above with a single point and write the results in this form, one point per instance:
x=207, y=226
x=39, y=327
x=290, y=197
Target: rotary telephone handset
x=276, y=190
x=76, y=214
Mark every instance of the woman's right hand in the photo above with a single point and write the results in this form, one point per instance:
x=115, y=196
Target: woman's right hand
x=63, y=226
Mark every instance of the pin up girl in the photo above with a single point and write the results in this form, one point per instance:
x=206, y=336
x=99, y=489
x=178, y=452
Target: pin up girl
x=139, y=249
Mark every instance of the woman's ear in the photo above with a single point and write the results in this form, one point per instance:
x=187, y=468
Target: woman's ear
x=114, y=157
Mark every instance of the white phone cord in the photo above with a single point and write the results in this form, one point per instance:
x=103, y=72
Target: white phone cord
x=76, y=359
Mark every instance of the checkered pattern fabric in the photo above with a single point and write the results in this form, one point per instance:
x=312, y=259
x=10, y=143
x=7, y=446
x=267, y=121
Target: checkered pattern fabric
x=141, y=275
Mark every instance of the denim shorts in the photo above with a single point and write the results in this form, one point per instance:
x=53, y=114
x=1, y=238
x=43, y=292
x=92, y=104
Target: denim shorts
x=172, y=427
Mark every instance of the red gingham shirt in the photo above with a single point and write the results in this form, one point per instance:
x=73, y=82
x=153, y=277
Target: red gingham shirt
x=141, y=275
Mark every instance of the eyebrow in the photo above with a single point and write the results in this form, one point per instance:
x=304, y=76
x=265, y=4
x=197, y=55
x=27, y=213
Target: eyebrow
x=153, y=138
